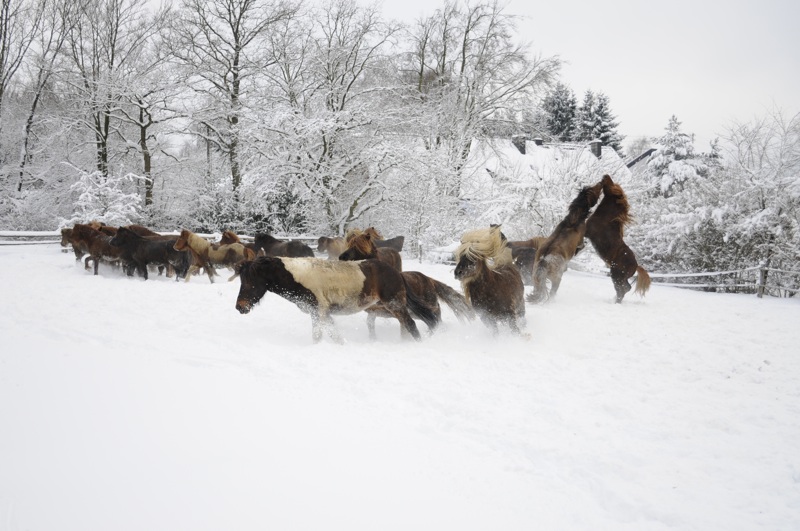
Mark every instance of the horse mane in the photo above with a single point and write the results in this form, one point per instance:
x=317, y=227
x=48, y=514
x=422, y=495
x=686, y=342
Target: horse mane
x=614, y=192
x=361, y=242
x=580, y=206
x=482, y=244
x=373, y=233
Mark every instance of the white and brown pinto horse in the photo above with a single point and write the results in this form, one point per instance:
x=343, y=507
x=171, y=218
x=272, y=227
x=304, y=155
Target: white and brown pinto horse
x=323, y=287
x=207, y=255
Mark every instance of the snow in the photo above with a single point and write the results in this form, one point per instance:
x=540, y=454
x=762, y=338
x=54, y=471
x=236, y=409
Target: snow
x=129, y=405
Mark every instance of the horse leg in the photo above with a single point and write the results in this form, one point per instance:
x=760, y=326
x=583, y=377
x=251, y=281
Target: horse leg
x=371, y=325
x=491, y=323
x=324, y=321
x=555, y=282
x=621, y=284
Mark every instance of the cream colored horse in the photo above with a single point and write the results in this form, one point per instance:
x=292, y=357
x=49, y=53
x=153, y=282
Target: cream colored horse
x=207, y=255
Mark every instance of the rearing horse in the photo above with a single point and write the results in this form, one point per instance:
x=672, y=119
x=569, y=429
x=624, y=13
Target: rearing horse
x=605, y=229
x=562, y=244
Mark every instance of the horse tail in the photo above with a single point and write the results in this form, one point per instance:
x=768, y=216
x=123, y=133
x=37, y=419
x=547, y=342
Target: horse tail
x=539, y=282
x=249, y=254
x=418, y=307
x=642, y=281
x=454, y=300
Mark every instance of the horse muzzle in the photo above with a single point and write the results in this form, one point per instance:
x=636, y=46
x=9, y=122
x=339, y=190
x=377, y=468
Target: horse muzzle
x=243, y=306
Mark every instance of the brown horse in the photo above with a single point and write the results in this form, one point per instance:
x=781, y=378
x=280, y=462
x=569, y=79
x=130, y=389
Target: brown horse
x=322, y=287
x=97, y=245
x=207, y=256
x=68, y=239
x=361, y=246
x=425, y=289
x=333, y=246
x=228, y=237
x=562, y=244
x=605, y=229
x=495, y=291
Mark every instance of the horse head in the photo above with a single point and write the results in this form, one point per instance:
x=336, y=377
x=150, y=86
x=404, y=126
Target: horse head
x=360, y=247
x=252, y=275
x=229, y=237
x=66, y=236
x=182, y=243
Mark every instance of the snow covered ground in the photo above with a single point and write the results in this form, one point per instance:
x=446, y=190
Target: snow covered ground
x=133, y=405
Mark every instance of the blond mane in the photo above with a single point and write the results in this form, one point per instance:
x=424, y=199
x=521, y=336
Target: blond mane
x=484, y=244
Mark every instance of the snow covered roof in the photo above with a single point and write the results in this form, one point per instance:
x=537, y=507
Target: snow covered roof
x=499, y=159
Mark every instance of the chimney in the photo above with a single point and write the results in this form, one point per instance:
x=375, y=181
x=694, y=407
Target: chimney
x=538, y=141
x=596, y=146
x=519, y=142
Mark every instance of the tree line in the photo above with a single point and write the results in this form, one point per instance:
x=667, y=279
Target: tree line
x=280, y=116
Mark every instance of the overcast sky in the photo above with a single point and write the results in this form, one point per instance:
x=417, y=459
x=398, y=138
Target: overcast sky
x=709, y=63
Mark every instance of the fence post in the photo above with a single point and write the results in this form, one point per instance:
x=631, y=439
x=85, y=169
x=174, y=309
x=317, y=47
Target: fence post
x=762, y=280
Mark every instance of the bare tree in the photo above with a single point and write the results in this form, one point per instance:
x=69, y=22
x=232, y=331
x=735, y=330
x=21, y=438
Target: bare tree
x=221, y=43
x=19, y=24
x=469, y=71
x=103, y=45
x=58, y=19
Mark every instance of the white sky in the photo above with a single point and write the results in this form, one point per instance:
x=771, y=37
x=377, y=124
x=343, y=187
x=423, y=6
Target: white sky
x=708, y=63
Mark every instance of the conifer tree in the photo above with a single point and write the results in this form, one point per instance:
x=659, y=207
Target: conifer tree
x=596, y=121
x=675, y=162
x=561, y=110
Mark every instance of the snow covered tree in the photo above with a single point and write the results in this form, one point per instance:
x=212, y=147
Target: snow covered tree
x=675, y=162
x=596, y=121
x=111, y=199
x=466, y=70
x=561, y=110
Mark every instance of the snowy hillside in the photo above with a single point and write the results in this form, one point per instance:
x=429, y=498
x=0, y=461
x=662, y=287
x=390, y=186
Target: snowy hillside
x=133, y=405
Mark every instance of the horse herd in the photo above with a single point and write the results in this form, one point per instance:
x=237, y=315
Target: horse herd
x=364, y=271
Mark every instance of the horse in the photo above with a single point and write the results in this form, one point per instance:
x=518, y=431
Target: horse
x=564, y=242
x=228, y=237
x=361, y=246
x=426, y=290
x=495, y=291
x=523, y=252
x=67, y=239
x=322, y=287
x=333, y=246
x=97, y=245
x=207, y=256
x=275, y=247
x=605, y=228
x=140, y=251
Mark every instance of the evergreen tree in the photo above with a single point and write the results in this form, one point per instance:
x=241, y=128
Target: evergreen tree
x=675, y=162
x=596, y=121
x=606, y=129
x=561, y=110
x=586, y=118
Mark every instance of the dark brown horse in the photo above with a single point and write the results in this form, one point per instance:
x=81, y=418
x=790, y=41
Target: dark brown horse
x=425, y=290
x=605, y=229
x=563, y=243
x=523, y=252
x=361, y=246
x=274, y=247
x=495, y=291
x=323, y=287
x=138, y=252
